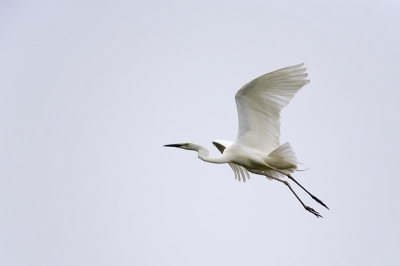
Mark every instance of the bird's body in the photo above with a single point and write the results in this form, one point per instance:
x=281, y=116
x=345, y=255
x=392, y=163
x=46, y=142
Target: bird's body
x=251, y=159
x=257, y=148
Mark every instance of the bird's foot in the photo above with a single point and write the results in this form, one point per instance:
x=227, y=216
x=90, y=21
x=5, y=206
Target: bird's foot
x=313, y=211
x=319, y=201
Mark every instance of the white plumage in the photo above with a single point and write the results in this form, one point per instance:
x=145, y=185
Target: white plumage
x=257, y=148
x=259, y=104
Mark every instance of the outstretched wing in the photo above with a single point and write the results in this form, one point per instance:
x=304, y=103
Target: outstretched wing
x=240, y=172
x=259, y=104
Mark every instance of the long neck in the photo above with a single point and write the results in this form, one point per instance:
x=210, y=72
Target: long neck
x=203, y=155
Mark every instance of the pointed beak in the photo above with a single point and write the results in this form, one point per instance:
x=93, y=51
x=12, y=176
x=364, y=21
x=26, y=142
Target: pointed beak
x=173, y=145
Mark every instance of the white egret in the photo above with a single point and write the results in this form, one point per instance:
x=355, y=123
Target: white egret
x=257, y=148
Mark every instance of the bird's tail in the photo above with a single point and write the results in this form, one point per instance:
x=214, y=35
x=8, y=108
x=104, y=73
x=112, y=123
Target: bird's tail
x=285, y=152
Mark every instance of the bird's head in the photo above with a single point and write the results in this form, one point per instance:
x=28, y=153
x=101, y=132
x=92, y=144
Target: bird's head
x=185, y=146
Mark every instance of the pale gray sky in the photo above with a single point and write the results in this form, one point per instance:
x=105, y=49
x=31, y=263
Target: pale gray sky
x=90, y=91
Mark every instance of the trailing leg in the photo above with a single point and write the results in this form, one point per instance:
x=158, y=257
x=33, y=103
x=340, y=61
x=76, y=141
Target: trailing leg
x=312, y=196
x=294, y=180
x=305, y=206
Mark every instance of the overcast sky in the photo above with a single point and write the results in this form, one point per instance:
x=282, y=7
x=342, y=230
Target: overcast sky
x=91, y=90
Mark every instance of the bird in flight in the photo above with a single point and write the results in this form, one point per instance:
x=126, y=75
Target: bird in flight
x=257, y=148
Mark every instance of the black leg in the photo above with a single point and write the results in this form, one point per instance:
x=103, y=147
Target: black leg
x=305, y=206
x=294, y=180
x=312, y=196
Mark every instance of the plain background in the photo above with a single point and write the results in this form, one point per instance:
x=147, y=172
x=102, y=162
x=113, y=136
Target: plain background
x=91, y=90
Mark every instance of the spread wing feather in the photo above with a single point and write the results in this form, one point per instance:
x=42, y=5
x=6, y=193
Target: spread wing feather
x=259, y=104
